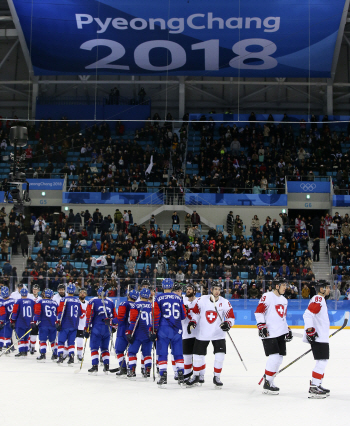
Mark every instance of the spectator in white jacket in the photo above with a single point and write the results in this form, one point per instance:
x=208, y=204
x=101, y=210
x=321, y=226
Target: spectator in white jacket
x=39, y=224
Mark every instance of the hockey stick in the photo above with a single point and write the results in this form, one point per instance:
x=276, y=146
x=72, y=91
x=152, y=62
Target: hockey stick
x=134, y=329
x=346, y=319
x=15, y=343
x=88, y=329
x=212, y=298
x=154, y=343
x=105, y=312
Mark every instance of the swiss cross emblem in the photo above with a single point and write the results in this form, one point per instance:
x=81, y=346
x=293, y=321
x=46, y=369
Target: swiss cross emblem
x=280, y=310
x=211, y=316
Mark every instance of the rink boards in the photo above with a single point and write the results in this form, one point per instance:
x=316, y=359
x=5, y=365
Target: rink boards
x=244, y=311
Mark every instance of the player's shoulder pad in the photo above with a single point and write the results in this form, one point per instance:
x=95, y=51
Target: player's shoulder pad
x=109, y=299
x=92, y=300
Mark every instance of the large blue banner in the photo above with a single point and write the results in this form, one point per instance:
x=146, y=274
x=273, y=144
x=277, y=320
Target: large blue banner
x=309, y=187
x=251, y=38
x=341, y=200
x=236, y=199
x=45, y=184
x=111, y=198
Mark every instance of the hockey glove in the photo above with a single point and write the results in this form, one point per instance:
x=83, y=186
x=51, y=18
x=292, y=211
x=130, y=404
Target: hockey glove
x=289, y=336
x=86, y=333
x=152, y=336
x=129, y=337
x=225, y=326
x=191, y=326
x=34, y=327
x=2, y=325
x=311, y=335
x=107, y=321
x=13, y=325
x=58, y=325
x=263, y=332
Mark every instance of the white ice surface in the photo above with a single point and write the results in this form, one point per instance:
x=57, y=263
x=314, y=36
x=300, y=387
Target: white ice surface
x=45, y=394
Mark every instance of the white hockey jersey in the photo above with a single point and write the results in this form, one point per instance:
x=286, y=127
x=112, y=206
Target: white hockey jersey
x=15, y=295
x=316, y=316
x=57, y=298
x=272, y=310
x=190, y=306
x=36, y=299
x=208, y=320
x=82, y=318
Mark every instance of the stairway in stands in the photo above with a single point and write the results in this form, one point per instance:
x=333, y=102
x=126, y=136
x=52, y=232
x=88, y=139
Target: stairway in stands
x=321, y=269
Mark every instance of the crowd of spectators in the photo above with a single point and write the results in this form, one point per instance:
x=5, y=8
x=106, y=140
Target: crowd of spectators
x=116, y=249
x=247, y=158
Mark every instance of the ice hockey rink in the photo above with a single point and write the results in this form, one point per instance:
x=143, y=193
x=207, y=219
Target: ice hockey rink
x=45, y=394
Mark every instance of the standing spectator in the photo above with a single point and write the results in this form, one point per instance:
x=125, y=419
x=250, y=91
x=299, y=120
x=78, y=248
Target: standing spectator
x=188, y=221
x=334, y=293
x=195, y=218
x=97, y=218
x=230, y=222
x=152, y=222
x=4, y=248
x=316, y=249
x=175, y=218
x=126, y=219
x=305, y=292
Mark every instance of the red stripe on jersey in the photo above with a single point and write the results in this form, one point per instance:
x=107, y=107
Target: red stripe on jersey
x=37, y=309
x=71, y=347
x=2, y=310
x=147, y=358
x=60, y=307
x=188, y=366
x=79, y=349
x=162, y=362
x=202, y=367
x=89, y=313
x=217, y=370
x=120, y=355
x=269, y=373
x=173, y=362
x=314, y=307
x=132, y=358
x=133, y=315
x=105, y=353
x=261, y=308
x=156, y=314
x=230, y=314
x=83, y=312
x=14, y=311
x=179, y=360
x=121, y=312
x=94, y=353
x=317, y=375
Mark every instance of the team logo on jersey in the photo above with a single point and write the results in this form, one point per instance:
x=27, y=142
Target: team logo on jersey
x=280, y=310
x=211, y=316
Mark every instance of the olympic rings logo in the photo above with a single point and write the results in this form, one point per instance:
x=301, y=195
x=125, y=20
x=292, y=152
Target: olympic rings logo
x=307, y=187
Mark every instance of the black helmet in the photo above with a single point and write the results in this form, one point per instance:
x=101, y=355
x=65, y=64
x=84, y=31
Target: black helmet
x=177, y=286
x=145, y=283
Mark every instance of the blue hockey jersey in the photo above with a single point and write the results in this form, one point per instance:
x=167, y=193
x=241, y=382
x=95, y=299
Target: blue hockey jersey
x=45, y=311
x=8, y=304
x=145, y=320
x=69, y=315
x=169, y=311
x=22, y=313
x=95, y=312
x=123, y=317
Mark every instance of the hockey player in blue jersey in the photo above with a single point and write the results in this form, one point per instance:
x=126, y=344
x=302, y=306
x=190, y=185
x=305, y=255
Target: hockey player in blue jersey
x=122, y=320
x=21, y=318
x=45, y=317
x=6, y=330
x=68, y=313
x=169, y=311
x=99, y=313
x=137, y=334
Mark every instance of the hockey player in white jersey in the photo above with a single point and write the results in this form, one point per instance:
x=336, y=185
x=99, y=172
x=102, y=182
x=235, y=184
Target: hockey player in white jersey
x=34, y=333
x=271, y=321
x=15, y=295
x=80, y=333
x=211, y=328
x=316, y=328
x=188, y=340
